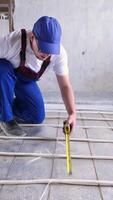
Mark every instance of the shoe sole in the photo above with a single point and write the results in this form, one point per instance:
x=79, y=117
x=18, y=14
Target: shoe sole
x=7, y=134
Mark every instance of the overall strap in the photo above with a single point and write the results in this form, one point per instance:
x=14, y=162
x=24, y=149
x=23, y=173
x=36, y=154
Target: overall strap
x=43, y=67
x=23, y=47
x=22, y=68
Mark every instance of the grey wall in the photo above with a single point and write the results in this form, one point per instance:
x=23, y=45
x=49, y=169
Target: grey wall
x=87, y=36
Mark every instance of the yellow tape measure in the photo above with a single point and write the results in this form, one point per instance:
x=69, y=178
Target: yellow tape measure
x=68, y=156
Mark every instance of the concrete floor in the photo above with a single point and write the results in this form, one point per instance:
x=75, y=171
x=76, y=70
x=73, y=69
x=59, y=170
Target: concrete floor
x=31, y=168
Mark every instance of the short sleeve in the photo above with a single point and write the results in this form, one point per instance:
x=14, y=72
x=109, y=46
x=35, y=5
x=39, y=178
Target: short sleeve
x=60, y=65
x=10, y=46
x=4, y=46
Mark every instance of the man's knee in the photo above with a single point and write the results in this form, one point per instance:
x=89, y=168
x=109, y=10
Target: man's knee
x=39, y=118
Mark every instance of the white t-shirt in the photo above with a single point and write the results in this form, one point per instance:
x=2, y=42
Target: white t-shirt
x=10, y=47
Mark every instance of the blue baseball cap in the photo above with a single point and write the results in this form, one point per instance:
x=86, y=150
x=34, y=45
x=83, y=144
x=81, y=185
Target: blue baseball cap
x=47, y=31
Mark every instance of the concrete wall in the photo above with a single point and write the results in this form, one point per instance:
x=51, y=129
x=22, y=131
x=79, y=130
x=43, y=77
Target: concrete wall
x=87, y=36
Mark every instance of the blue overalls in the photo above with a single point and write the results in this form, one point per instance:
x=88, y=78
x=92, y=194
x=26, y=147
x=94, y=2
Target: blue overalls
x=20, y=95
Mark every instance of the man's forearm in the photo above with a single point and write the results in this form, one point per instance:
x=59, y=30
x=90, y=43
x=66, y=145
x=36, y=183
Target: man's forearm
x=69, y=100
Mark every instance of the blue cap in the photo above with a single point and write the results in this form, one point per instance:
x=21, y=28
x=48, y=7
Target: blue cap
x=47, y=31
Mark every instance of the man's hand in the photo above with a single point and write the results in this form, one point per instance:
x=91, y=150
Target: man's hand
x=71, y=120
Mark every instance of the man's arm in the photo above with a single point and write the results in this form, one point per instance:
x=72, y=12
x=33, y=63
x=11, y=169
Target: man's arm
x=68, y=98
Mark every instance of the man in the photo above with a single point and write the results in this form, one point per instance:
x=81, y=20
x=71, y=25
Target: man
x=24, y=56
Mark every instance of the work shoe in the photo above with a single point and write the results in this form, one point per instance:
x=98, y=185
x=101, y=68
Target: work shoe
x=11, y=128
